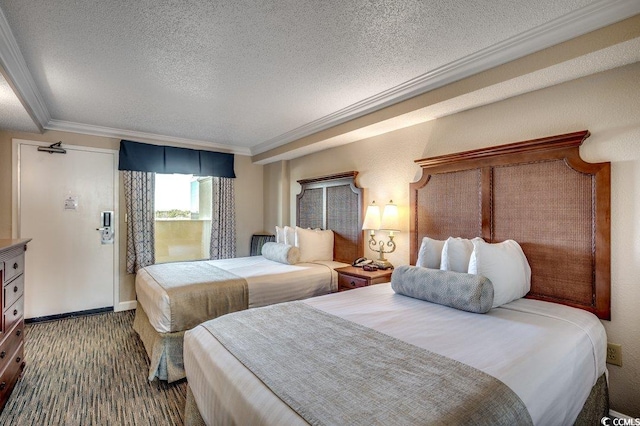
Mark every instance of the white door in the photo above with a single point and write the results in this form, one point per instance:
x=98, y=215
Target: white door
x=60, y=200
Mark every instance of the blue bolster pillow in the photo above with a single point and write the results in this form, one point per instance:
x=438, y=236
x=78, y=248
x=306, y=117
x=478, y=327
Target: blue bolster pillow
x=472, y=293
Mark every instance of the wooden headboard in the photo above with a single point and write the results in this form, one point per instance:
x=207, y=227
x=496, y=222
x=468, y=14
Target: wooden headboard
x=539, y=193
x=333, y=202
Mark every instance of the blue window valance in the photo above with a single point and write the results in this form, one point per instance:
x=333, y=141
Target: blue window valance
x=142, y=157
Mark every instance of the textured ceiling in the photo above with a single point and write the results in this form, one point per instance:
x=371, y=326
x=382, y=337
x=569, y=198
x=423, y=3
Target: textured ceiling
x=247, y=73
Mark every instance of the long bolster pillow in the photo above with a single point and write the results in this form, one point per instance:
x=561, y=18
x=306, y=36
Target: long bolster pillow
x=472, y=293
x=283, y=253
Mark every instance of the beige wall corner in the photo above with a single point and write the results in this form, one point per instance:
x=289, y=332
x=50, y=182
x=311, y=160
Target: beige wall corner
x=276, y=195
x=607, y=104
x=249, y=202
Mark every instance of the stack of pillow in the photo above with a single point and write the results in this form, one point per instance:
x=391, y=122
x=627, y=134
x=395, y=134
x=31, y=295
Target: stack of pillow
x=297, y=244
x=504, y=265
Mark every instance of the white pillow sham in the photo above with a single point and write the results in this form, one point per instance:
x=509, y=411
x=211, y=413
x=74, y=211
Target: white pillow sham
x=314, y=244
x=290, y=235
x=286, y=235
x=456, y=253
x=430, y=253
x=505, y=265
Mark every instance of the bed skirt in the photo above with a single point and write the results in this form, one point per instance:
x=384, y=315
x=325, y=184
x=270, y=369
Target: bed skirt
x=164, y=349
x=597, y=405
x=595, y=408
x=192, y=416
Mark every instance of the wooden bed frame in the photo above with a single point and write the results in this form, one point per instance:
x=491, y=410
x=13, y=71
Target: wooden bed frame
x=333, y=202
x=539, y=193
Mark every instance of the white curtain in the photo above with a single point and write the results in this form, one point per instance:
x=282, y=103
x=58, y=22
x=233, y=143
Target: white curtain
x=139, y=192
x=223, y=219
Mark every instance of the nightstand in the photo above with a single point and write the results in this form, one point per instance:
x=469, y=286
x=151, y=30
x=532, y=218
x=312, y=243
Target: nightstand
x=351, y=277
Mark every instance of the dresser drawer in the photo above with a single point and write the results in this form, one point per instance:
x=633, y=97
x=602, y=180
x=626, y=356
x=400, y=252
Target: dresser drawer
x=13, y=267
x=10, y=374
x=13, y=291
x=348, y=281
x=12, y=340
x=13, y=314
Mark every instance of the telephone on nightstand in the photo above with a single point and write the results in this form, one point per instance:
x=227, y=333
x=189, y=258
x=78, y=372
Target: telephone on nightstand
x=361, y=261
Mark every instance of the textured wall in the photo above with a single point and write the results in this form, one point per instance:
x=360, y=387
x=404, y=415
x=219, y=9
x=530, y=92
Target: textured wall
x=607, y=104
x=249, y=202
x=276, y=195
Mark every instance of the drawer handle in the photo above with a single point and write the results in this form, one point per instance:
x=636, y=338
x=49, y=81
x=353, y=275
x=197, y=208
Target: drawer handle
x=3, y=354
x=3, y=385
x=18, y=359
x=353, y=283
x=15, y=288
x=15, y=265
x=18, y=333
x=15, y=312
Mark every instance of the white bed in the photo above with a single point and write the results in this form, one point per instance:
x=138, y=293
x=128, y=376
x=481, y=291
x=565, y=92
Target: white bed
x=550, y=355
x=269, y=282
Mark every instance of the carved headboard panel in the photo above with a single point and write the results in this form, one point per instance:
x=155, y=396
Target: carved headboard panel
x=333, y=202
x=539, y=193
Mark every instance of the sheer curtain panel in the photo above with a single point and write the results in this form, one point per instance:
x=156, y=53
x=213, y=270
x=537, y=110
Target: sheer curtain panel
x=223, y=219
x=139, y=191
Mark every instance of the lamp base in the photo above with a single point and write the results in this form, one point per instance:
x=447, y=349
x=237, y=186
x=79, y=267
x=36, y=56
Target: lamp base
x=383, y=264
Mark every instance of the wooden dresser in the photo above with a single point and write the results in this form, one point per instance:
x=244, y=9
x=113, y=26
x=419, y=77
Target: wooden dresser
x=12, y=327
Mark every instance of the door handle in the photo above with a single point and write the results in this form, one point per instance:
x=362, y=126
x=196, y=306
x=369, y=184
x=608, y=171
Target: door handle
x=106, y=228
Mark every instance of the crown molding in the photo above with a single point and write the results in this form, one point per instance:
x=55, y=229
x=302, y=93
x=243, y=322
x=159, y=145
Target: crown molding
x=19, y=77
x=590, y=18
x=109, y=132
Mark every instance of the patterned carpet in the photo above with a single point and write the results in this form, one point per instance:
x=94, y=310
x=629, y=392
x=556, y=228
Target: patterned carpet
x=90, y=370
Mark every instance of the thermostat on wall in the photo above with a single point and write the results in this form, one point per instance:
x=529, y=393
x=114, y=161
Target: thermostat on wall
x=71, y=203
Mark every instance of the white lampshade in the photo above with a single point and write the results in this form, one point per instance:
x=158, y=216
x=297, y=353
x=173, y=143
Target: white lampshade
x=372, y=217
x=390, y=220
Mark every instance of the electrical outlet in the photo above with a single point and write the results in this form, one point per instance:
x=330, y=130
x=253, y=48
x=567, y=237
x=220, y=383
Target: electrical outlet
x=614, y=354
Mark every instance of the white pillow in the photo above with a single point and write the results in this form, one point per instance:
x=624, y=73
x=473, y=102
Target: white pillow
x=430, y=253
x=290, y=235
x=314, y=244
x=505, y=265
x=456, y=253
x=279, y=235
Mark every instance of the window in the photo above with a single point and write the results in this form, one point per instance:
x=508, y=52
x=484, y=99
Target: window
x=183, y=217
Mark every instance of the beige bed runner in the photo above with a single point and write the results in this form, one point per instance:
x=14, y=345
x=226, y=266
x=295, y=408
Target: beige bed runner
x=199, y=291
x=333, y=371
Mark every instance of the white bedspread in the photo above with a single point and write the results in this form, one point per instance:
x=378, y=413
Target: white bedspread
x=550, y=355
x=269, y=282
